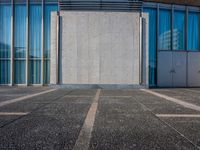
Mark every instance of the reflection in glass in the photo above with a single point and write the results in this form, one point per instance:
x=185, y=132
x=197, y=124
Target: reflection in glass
x=193, y=31
x=20, y=71
x=5, y=71
x=165, y=30
x=152, y=46
x=5, y=43
x=35, y=31
x=35, y=71
x=35, y=43
x=20, y=43
x=179, y=30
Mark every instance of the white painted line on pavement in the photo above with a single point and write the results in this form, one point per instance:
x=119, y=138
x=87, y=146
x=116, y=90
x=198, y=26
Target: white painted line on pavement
x=117, y=96
x=13, y=113
x=195, y=91
x=24, y=98
x=84, y=137
x=175, y=100
x=78, y=96
x=179, y=115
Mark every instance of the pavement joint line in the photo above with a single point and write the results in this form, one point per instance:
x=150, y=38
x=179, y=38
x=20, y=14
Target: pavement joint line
x=13, y=113
x=24, y=97
x=167, y=124
x=192, y=90
x=175, y=100
x=179, y=115
x=84, y=137
x=20, y=117
x=78, y=96
x=117, y=96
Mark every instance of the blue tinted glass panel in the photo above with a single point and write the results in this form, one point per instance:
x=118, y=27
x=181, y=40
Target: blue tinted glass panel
x=4, y=71
x=20, y=31
x=35, y=31
x=179, y=30
x=20, y=43
x=152, y=45
x=35, y=72
x=165, y=30
x=47, y=27
x=47, y=71
x=193, y=31
x=20, y=72
x=35, y=43
x=5, y=30
x=5, y=42
x=47, y=39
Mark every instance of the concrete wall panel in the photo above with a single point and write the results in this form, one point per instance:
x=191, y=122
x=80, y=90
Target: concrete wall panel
x=100, y=47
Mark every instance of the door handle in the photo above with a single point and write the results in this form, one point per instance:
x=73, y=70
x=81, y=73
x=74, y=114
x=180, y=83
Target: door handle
x=172, y=71
x=199, y=71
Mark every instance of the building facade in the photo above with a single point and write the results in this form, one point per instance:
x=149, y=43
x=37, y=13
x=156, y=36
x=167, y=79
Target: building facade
x=122, y=43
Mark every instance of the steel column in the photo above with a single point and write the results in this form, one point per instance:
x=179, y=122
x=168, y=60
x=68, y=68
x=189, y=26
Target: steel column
x=27, y=42
x=157, y=39
x=42, y=44
x=140, y=52
x=12, y=45
x=58, y=50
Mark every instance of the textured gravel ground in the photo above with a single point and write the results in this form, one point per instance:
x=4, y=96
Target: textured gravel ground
x=125, y=119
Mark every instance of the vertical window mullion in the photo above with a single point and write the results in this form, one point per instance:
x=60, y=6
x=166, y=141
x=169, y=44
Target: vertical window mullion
x=42, y=45
x=12, y=44
x=186, y=28
x=27, y=42
x=172, y=27
x=157, y=41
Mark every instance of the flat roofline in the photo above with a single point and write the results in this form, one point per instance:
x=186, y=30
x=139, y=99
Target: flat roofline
x=179, y=2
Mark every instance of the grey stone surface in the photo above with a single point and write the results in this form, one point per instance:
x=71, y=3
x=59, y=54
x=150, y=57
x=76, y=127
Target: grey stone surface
x=125, y=120
x=99, y=48
x=188, y=126
x=55, y=125
x=191, y=95
x=125, y=124
x=7, y=93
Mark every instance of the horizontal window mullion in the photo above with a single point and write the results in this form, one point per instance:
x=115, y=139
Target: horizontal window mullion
x=35, y=58
x=5, y=58
x=19, y=58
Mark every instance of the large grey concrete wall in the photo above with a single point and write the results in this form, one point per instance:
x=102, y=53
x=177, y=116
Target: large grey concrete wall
x=99, y=48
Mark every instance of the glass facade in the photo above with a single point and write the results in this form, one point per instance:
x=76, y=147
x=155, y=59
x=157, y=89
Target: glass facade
x=20, y=44
x=5, y=42
x=37, y=33
x=179, y=30
x=170, y=28
x=35, y=43
x=193, y=31
x=165, y=30
x=152, y=46
x=174, y=22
